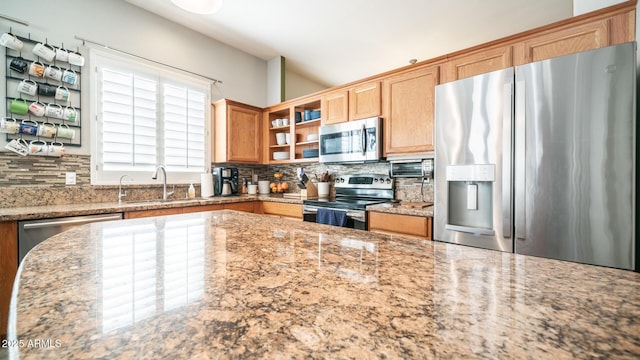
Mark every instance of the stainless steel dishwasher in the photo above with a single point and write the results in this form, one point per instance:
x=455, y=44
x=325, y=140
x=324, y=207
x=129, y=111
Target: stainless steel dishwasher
x=33, y=232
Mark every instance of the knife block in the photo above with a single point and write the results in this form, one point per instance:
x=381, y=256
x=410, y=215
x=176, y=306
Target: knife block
x=311, y=192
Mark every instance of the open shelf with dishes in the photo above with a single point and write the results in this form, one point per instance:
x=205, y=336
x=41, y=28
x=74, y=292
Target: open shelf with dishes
x=290, y=138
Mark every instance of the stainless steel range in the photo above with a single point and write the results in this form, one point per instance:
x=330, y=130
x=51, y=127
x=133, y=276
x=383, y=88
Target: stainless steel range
x=353, y=194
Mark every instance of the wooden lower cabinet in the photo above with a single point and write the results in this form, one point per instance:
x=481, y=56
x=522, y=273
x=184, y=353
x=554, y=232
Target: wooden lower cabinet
x=149, y=213
x=279, y=209
x=241, y=206
x=405, y=225
x=8, y=269
x=201, y=208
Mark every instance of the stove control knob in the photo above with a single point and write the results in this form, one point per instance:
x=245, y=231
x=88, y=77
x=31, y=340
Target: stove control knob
x=375, y=180
x=381, y=181
x=388, y=181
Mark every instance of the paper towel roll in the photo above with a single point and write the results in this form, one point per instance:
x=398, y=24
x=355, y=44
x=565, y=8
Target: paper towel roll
x=206, y=185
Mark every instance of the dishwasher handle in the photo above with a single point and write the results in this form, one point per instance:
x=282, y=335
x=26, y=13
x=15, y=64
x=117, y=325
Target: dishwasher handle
x=79, y=221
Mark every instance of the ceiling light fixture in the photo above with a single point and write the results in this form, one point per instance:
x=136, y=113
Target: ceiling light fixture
x=205, y=7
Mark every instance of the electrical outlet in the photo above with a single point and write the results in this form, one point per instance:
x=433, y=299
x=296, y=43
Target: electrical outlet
x=70, y=178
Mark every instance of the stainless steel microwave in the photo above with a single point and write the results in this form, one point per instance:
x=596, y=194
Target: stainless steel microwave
x=351, y=141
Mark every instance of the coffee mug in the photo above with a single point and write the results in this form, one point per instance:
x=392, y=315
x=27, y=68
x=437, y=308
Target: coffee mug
x=37, y=108
x=70, y=77
x=54, y=111
x=28, y=87
x=18, y=146
x=76, y=59
x=11, y=41
x=70, y=114
x=36, y=69
x=65, y=132
x=28, y=127
x=9, y=125
x=38, y=147
x=47, y=130
x=285, y=122
x=62, y=94
x=44, y=51
x=56, y=149
x=53, y=72
x=46, y=90
x=62, y=55
x=18, y=106
x=18, y=65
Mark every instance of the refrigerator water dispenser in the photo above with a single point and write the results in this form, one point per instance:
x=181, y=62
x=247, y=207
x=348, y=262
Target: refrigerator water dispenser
x=470, y=193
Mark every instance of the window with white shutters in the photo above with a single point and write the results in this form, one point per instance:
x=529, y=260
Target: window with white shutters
x=147, y=116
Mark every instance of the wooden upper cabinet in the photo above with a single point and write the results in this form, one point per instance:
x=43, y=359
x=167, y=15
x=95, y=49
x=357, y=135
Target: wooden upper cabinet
x=335, y=107
x=480, y=62
x=237, y=135
x=364, y=101
x=408, y=109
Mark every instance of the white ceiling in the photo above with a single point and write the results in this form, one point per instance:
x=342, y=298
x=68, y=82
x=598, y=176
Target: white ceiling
x=338, y=41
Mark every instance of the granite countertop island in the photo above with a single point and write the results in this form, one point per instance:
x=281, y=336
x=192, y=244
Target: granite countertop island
x=226, y=284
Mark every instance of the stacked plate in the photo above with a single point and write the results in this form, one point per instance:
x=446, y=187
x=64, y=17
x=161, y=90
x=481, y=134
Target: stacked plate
x=280, y=155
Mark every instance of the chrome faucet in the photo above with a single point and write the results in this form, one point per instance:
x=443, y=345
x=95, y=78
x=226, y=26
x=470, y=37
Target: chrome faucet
x=164, y=182
x=120, y=193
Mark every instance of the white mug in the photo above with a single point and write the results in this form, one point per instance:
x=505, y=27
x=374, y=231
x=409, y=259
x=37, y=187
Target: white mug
x=37, y=108
x=62, y=94
x=28, y=87
x=62, y=55
x=47, y=130
x=76, y=59
x=70, y=77
x=18, y=146
x=44, y=51
x=11, y=41
x=53, y=72
x=9, y=125
x=36, y=69
x=56, y=149
x=70, y=114
x=54, y=111
x=38, y=147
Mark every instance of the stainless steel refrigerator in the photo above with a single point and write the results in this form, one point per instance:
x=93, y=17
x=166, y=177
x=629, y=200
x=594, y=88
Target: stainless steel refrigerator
x=540, y=159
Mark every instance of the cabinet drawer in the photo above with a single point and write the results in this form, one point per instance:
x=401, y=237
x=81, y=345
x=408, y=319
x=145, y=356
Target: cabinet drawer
x=414, y=226
x=200, y=208
x=281, y=209
x=148, y=213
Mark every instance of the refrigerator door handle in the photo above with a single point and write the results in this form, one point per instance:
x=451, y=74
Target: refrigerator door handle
x=507, y=150
x=519, y=180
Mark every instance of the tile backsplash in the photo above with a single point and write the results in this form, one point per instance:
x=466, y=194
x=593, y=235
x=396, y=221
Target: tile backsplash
x=37, y=181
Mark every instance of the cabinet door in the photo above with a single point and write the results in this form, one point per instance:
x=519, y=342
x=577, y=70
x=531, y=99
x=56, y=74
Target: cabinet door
x=279, y=209
x=243, y=134
x=240, y=206
x=563, y=42
x=150, y=213
x=335, y=107
x=406, y=225
x=364, y=101
x=8, y=269
x=408, y=100
x=477, y=63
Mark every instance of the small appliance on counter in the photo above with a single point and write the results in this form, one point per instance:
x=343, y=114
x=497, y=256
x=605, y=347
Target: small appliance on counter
x=225, y=181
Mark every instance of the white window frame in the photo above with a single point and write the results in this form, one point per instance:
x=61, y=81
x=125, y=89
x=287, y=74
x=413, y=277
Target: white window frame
x=166, y=75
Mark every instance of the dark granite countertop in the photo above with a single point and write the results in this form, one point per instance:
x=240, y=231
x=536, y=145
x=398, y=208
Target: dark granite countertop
x=227, y=284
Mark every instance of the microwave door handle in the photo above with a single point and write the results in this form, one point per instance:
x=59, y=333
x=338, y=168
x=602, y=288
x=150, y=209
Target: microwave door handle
x=363, y=139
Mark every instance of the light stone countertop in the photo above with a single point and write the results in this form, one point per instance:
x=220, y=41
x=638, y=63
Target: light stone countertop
x=227, y=284
x=53, y=211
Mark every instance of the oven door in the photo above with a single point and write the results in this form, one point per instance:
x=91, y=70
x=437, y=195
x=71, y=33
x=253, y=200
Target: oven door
x=356, y=219
x=353, y=141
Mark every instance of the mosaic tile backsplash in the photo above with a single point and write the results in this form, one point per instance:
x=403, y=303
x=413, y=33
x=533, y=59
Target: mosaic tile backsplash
x=35, y=181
